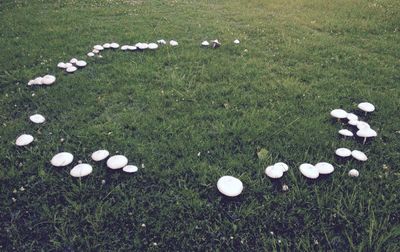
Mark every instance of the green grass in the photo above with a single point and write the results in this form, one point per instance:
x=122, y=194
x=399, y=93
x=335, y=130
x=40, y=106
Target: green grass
x=297, y=60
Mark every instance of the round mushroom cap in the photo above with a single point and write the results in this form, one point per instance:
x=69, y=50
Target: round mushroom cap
x=73, y=61
x=48, y=79
x=98, y=47
x=354, y=173
x=95, y=51
x=162, y=41
x=352, y=117
x=100, y=155
x=339, y=113
x=62, y=65
x=106, y=45
x=274, y=172
x=124, y=47
x=71, y=69
x=283, y=166
x=24, y=140
x=81, y=170
x=366, y=107
x=152, y=46
x=205, y=43
x=324, y=168
x=117, y=162
x=62, y=159
x=132, y=48
x=90, y=54
x=366, y=132
x=142, y=46
x=37, y=118
x=130, y=168
x=343, y=152
x=359, y=155
x=230, y=186
x=346, y=132
x=114, y=45
x=236, y=41
x=68, y=65
x=38, y=81
x=173, y=43
x=81, y=63
x=309, y=171
x=362, y=125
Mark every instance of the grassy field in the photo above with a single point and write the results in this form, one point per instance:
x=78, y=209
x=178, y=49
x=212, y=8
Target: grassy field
x=297, y=61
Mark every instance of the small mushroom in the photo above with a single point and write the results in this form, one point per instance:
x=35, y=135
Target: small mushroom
x=62, y=65
x=37, y=118
x=95, y=51
x=100, y=155
x=324, y=168
x=343, y=152
x=98, y=47
x=283, y=166
x=152, y=46
x=132, y=48
x=205, y=43
x=346, y=133
x=71, y=69
x=81, y=63
x=24, y=140
x=354, y=173
x=90, y=54
x=309, y=171
x=73, y=61
x=107, y=46
x=230, y=186
x=162, y=42
x=339, y=114
x=366, y=133
x=352, y=117
x=142, y=46
x=114, y=45
x=81, y=170
x=274, y=172
x=366, y=107
x=130, y=168
x=117, y=162
x=359, y=155
x=124, y=47
x=236, y=41
x=215, y=43
x=173, y=43
x=62, y=159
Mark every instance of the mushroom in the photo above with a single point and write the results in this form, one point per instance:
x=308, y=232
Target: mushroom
x=71, y=69
x=339, y=114
x=132, y=48
x=215, y=43
x=205, y=43
x=73, y=61
x=62, y=65
x=98, y=47
x=359, y=155
x=309, y=171
x=324, y=168
x=230, y=186
x=130, y=168
x=124, y=47
x=346, y=133
x=62, y=159
x=95, y=51
x=106, y=45
x=24, y=140
x=352, y=117
x=343, y=152
x=38, y=81
x=81, y=63
x=366, y=133
x=173, y=43
x=353, y=122
x=363, y=125
x=114, y=45
x=142, y=46
x=162, y=42
x=236, y=41
x=100, y=155
x=37, y=118
x=283, y=166
x=354, y=173
x=81, y=170
x=117, y=162
x=48, y=79
x=274, y=172
x=90, y=54
x=152, y=46
x=366, y=107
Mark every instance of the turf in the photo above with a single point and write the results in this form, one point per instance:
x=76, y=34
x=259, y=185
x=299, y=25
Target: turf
x=191, y=115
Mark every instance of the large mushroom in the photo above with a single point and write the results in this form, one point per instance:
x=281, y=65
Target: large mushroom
x=230, y=186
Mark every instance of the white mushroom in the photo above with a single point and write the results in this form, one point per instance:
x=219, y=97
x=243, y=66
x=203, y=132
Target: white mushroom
x=68, y=65
x=90, y=54
x=162, y=42
x=71, y=69
x=62, y=159
x=95, y=51
x=352, y=117
x=81, y=63
x=132, y=48
x=38, y=81
x=24, y=140
x=124, y=47
x=274, y=172
x=48, y=79
x=363, y=125
x=205, y=43
x=215, y=43
x=142, y=46
x=100, y=155
x=366, y=107
x=117, y=162
x=309, y=171
x=37, y=118
x=283, y=166
x=346, y=132
x=81, y=170
x=324, y=168
x=62, y=65
x=343, y=152
x=173, y=43
x=236, y=41
x=354, y=173
x=153, y=46
x=366, y=133
x=73, y=61
x=130, y=168
x=114, y=45
x=106, y=45
x=230, y=186
x=339, y=113
x=98, y=47
x=359, y=155
x=353, y=122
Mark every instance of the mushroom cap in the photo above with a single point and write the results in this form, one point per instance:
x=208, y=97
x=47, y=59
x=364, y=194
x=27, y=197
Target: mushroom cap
x=24, y=139
x=236, y=41
x=114, y=45
x=359, y=155
x=71, y=69
x=98, y=47
x=81, y=63
x=73, y=60
x=81, y=170
x=90, y=54
x=343, y=152
x=38, y=81
x=324, y=168
x=162, y=41
x=48, y=79
x=230, y=186
x=205, y=43
x=100, y=155
x=366, y=107
x=37, y=118
x=353, y=122
x=95, y=51
x=106, y=45
x=352, y=117
x=346, y=132
x=61, y=65
x=130, y=168
x=363, y=125
x=283, y=166
x=117, y=162
x=366, y=132
x=339, y=113
x=62, y=159
x=309, y=171
x=354, y=173
x=152, y=46
x=68, y=65
x=173, y=43
x=142, y=46
x=124, y=47
x=132, y=48
x=274, y=172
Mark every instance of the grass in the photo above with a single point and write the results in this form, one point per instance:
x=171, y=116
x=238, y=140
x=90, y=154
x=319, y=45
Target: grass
x=297, y=60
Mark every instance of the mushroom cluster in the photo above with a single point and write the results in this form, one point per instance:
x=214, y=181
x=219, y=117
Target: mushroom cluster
x=72, y=65
x=314, y=171
x=277, y=170
x=45, y=80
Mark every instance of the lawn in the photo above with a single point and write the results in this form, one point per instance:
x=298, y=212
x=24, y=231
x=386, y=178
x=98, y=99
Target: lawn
x=188, y=115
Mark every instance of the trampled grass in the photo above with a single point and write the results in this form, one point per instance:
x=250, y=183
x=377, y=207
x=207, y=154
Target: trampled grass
x=297, y=61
